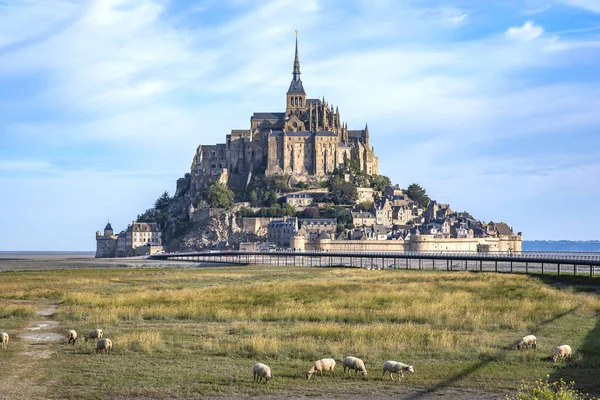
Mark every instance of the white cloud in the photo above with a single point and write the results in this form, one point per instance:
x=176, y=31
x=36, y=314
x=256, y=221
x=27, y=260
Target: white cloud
x=123, y=76
x=527, y=32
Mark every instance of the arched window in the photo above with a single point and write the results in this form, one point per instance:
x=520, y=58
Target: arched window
x=291, y=101
x=300, y=101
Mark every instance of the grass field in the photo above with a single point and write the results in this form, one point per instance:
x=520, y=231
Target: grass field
x=189, y=333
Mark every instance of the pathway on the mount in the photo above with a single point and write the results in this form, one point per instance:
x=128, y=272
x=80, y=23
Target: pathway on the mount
x=19, y=376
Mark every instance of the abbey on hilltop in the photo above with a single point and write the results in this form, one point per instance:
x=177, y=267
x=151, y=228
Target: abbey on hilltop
x=308, y=139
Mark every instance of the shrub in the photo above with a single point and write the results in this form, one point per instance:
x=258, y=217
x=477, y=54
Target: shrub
x=545, y=390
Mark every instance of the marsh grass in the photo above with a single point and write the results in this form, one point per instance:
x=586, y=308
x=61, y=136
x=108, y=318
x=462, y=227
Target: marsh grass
x=203, y=329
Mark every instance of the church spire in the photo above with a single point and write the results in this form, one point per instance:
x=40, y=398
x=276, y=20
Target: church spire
x=296, y=84
x=296, y=72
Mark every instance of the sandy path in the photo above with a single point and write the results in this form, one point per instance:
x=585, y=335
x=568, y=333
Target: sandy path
x=19, y=381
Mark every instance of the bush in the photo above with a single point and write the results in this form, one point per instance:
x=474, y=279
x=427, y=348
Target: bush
x=245, y=212
x=219, y=196
x=546, y=390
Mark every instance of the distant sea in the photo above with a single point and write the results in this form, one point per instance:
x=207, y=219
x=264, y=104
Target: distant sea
x=22, y=255
x=585, y=246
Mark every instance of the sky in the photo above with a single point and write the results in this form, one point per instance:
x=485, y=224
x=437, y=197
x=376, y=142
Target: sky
x=492, y=106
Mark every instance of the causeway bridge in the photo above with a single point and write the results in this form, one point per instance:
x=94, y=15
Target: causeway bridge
x=545, y=263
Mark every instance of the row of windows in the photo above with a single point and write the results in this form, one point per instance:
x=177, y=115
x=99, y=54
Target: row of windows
x=296, y=101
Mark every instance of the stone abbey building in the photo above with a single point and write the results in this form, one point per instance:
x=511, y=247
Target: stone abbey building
x=307, y=139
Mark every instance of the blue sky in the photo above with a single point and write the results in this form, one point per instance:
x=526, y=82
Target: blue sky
x=492, y=106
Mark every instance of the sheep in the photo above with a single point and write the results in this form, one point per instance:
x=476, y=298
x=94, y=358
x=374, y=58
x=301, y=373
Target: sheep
x=527, y=341
x=261, y=371
x=396, y=367
x=562, y=351
x=354, y=363
x=4, y=340
x=104, y=344
x=72, y=336
x=95, y=334
x=324, y=364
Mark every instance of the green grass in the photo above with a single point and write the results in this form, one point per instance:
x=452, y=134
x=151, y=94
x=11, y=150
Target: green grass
x=191, y=333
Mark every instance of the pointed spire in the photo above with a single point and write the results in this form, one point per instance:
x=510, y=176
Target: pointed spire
x=296, y=62
x=296, y=85
x=367, y=134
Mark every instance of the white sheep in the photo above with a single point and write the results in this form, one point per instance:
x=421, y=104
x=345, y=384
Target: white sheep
x=527, y=341
x=324, y=364
x=563, y=351
x=104, y=344
x=95, y=334
x=4, y=339
x=72, y=336
x=395, y=367
x=354, y=363
x=261, y=371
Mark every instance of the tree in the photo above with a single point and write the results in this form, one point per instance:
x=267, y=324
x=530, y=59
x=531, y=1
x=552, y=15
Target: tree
x=310, y=212
x=341, y=214
x=380, y=182
x=163, y=201
x=288, y=210
x=365, y=206
x=270, y=198
x=219, y=196
x=353, y=166
x=245, y=212
x=253, y=199
x=418, y=195
x=342, y=192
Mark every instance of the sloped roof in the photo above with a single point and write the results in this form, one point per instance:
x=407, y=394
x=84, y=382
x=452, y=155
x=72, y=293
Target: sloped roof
x=268, y=115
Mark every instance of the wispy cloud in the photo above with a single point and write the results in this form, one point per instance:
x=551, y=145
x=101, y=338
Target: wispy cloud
x=112, y=97
x=590, y=5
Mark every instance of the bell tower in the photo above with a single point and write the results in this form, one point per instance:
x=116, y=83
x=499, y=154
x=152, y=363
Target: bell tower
x=295, y=96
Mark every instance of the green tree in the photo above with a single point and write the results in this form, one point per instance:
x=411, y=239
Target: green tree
x=219, y=196
x=380, y=182
x=270, y=198
x=418, y=195
x=288, y=210
x=365, y=206
x=163, y=201
x=245, y=212
x=342, y=192
x=340, y=228
x=253, y=198
x=353, y=166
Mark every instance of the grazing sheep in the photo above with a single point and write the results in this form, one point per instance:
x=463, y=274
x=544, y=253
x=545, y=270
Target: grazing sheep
x=527, y=341
x=354, y=363
x=324, y=364
x=95, y=334
x=261, y=371
x=104, y=344
x=396, y=367
x=4, y=339
x=562, y=351
x=72, y=336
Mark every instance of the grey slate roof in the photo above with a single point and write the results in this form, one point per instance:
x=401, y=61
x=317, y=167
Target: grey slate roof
x=268, y=115
x=296, y=87
x=313, y=102
x=297, y=133
x=356, y=133
x=108, y=227
x=325, y=133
